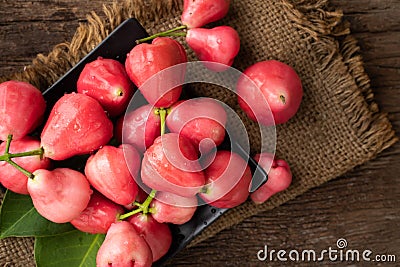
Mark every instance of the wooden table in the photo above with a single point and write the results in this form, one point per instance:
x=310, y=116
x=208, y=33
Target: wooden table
x=363, y=206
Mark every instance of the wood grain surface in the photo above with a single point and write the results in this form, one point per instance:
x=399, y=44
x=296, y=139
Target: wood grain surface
x=362, y=207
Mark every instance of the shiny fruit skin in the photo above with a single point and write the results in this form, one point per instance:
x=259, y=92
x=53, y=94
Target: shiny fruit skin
x=139, y=127
x=123, y=246
x=197, y=13
x=279, y=177
x=157, y=235
x=106, y=81
x=171, y=208
x=146, y=60
x=171, y=164
x=277, y=88
x=59, y=195
x=217, y=45
x=198, y=119
x=228, y=180
x=21, y=109
x=77, y=125
x=108, y=172
x=98, y=216
x=13, y=179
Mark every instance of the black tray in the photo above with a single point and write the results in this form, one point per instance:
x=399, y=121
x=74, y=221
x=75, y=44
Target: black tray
x=116, y=46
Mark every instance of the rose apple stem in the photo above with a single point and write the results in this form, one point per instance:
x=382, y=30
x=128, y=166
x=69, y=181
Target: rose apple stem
x=163, y=115
x=164, y=34
x=8, y=143
x=146, y=203
x=36, y=152
x=204, y=190
x=162, y=112
x=15, y=165
x=177, y=34
x=7, y=155
x=137, y=204
x=142, y=207
x=127, y=215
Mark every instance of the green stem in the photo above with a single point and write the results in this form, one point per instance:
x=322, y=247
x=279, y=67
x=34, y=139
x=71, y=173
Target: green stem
x=177, y=34
x=148, y=200
x=137, y=204
x=8, y=143
x=7, y=157
x=36, y=152
x=163, y=115
x=127, y=215
x=163, y=34
x=15, y=165
x=152, y=210
x=142, y=207
x=204, y=189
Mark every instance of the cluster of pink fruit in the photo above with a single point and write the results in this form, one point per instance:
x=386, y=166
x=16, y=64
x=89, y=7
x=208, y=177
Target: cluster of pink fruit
x=160, y=141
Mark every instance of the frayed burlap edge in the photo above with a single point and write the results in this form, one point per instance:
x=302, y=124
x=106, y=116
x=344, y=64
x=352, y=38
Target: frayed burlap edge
x=355, y=93
x=320, y=26
x=343, y=66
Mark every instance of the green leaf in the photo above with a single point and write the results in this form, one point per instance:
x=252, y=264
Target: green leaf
x=74, y=249
x=18, y=217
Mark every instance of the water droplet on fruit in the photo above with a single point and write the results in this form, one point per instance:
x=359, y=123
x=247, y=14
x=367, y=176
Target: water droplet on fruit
x=96, y=125
x=219, y=41
x=85, y=91
x=92, y=77
x=84, y=218
x=77, y=127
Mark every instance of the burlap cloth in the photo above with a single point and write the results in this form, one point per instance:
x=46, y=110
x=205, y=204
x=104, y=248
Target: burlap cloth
x=337, y=127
